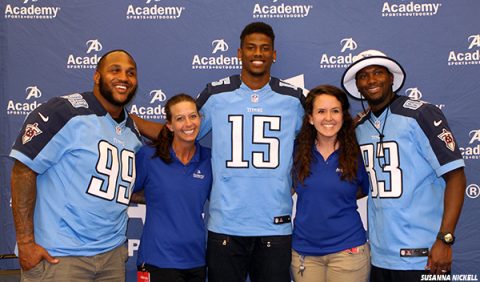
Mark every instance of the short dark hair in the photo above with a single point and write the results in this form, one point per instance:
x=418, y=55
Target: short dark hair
x=257, y=27
x=104, y=56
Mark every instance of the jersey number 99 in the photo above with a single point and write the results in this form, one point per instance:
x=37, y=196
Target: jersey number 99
x=112, y=165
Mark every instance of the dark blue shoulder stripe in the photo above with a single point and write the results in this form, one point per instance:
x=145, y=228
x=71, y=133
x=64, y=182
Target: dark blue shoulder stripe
x=362, y=117
x=433, y=124
x=285, y=88
x=227, y=84
x=133, y=127
x=50, y=117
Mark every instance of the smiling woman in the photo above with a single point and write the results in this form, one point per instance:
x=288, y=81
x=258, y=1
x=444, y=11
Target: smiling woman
x=328, y=177
x=174, y=178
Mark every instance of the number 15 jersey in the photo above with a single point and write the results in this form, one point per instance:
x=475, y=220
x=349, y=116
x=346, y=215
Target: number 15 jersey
x=253, y=132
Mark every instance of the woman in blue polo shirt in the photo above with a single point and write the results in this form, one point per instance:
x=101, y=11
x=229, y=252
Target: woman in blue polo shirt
x=174, y=175
x=329, y=241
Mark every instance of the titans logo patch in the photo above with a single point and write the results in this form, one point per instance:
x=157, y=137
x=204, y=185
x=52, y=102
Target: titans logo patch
x=31, y=130
x=447, y=137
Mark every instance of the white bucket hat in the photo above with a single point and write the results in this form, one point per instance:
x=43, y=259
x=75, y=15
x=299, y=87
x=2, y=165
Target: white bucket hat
x=369, y=58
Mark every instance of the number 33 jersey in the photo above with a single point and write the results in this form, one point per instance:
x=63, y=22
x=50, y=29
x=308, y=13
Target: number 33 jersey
x=253, y=132
x=405, y=205
x=85, y=163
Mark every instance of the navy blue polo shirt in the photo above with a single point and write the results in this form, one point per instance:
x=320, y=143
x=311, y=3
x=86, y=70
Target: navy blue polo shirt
x=174, y=233
x=327, y=220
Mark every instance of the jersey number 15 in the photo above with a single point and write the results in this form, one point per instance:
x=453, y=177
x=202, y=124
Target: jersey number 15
x=269, y=159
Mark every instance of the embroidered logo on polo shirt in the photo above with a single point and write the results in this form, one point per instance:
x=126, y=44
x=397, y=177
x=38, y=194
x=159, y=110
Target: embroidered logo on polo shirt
x=198, y=174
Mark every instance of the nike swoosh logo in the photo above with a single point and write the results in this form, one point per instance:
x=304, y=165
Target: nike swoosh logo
x=44, y=118
x=437, y=122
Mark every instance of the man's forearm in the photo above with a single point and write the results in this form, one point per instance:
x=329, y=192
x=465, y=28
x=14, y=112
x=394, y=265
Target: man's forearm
x=138, y=197
x=454, y=196
x=147, y=128
x=24, y=192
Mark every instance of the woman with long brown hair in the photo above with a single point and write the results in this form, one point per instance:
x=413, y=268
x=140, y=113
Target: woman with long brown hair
x=329, y=241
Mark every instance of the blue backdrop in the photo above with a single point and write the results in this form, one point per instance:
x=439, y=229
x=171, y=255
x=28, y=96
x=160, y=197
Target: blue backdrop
x=50, y=48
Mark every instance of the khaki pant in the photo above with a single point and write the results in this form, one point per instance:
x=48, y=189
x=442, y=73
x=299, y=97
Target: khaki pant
x=109, y=266
x=343, y=266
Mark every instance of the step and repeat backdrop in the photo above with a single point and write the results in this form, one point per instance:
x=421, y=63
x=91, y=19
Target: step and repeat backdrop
x=50, y=48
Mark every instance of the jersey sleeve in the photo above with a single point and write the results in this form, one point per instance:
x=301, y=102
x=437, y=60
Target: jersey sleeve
x=443, y=153
x=141, y=168
x=41, y=142
x=204, y=105
x=300, y=112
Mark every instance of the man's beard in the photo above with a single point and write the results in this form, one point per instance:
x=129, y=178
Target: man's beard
x=107, y=94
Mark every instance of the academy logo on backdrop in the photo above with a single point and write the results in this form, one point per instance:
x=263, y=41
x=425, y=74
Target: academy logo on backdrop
x=155, y=109
x=329, y=61
x=470, y=57
x=153, y=10
x=217, y=59
x=472, y=150
x=415, y=94
x=278, y=9
x=30, y=10
x=409, y=9
x=88, y=60
x=135, y=212
x=33, y=93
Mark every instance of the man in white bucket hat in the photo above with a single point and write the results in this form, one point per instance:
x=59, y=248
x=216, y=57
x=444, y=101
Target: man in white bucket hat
x=416, y=173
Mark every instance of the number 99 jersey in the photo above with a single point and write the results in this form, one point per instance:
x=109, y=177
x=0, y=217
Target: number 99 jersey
x=85, y=163
x=253, y=132
x=405, y=206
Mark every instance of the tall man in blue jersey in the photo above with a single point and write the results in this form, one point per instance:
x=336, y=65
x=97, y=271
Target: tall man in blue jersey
x=72, y=179
x=416, y=172
x=253, y=118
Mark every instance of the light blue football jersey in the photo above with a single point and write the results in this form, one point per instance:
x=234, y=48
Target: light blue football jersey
x=85, y=162
x=253, y=132
x=405, y=205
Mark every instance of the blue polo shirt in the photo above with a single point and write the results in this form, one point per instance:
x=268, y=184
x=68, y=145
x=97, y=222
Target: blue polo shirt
x=174, y=233
x=326, y=219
